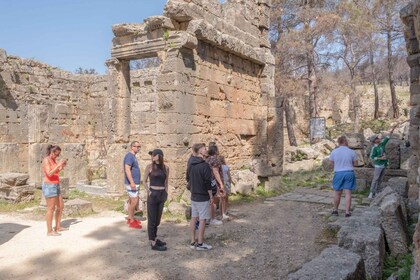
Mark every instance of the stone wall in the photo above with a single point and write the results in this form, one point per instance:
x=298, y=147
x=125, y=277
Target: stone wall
x=215, y=83
x=411, y=18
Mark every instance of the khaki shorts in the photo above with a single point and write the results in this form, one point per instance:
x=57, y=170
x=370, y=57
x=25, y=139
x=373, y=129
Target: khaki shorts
x=200, y=209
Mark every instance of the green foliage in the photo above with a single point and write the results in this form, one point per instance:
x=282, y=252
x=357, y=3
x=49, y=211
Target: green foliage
x=299, y=156
x=400, y=265
x=166, y=35
x=75, y=193
x=7, y=206
x=81, y=70
x=311, y=179
x=376, y=125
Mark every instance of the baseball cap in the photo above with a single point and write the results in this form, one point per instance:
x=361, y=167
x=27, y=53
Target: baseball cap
x=157, y=152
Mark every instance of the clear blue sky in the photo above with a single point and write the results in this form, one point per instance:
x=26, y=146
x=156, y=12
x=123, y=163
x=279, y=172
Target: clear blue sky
x=68, y=33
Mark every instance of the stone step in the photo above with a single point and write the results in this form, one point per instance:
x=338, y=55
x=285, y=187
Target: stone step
x=92, y=189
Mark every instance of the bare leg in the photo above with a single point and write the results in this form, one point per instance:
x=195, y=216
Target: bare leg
x=201, y=230
x=51, y=201
x=59, y=212
x=192, y=228
x=348, y=201
x=213, y=207
x=132, y=206
x=337, y=198
x=226, y=202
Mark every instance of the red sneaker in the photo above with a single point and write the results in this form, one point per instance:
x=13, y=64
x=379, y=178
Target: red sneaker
x=135, y=224
x=129, y=221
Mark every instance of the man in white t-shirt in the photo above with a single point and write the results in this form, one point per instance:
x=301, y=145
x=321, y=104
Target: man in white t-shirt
x=343, y=159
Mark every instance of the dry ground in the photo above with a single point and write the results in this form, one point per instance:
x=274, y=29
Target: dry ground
x=263, y=241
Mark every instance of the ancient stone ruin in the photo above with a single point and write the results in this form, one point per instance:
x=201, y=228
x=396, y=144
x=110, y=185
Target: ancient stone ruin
x=215, y=82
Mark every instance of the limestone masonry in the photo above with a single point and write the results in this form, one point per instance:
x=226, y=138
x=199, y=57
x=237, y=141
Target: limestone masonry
x=215, y=82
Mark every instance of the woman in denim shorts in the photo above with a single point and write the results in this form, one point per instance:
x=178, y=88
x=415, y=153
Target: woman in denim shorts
x=51, y=189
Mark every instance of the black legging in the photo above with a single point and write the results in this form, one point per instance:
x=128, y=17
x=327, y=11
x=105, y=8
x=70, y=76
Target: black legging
x=155, y=202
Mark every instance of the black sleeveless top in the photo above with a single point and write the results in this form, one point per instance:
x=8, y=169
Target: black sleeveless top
x=157, y=177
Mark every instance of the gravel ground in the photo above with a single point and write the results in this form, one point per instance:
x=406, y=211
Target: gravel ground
x=262, y=241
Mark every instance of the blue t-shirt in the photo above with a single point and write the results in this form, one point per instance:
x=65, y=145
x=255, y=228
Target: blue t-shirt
x=343, y=158
x=131, y=160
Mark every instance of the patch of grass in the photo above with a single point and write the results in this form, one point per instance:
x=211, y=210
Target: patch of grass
x=241, y=198
x=8, y=206
x=377, y=125
x=100, y=203
x=262, y=192
x=401, y=265
x=176, y=218
x=311, y=179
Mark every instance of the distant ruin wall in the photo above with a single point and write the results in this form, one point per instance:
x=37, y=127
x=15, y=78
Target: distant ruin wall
x=215, y=82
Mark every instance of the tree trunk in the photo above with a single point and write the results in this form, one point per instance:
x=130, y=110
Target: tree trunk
x=355, y=103
x=396, y=112
x=289, y=122
x=374, y=82
x=311, y=74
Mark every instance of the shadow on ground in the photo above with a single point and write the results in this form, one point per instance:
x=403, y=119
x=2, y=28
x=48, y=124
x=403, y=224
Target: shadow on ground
x=9, y=230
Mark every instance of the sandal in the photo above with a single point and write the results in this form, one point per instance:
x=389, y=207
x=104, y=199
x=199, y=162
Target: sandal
x=53, y=233
x=63, y=229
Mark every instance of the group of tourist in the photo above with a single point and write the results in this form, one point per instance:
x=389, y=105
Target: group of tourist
x=343, y=159
x=208, y=179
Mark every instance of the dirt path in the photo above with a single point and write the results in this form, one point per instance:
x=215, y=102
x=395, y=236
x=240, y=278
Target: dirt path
x=264, y=241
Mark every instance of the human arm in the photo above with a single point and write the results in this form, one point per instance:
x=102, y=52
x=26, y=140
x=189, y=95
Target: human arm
x=127, y=169
x=51, y=171
x=207, y=181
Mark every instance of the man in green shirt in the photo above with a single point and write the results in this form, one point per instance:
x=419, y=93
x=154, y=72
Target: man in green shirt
x=380, y=161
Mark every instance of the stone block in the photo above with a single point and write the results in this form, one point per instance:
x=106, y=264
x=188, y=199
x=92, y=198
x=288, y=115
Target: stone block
x=13, y=179
x=273, y=183
x=367, y=241
x=356, y=140
x=394, y=220
x=17, y=194
x=332, y=264
x=3, y=55
x=361, y=185
x=244, y=181
x=77, y=207
x=398, y=185
x=8, y=157
x=177, y=208
x=393, y=153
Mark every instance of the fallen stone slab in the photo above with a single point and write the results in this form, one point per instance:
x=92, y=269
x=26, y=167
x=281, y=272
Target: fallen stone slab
x=394, y=220
x=361, y=216
x=77, y=207
x=332, y=264
x=399, y=185
x=17, y=193
x=367, y=241
x=13, y=179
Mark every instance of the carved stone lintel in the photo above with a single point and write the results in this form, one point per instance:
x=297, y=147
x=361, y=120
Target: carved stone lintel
x=113, y=64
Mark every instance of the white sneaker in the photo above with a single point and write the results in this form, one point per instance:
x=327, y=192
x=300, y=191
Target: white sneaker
x=370, y=195
x=203, y=247
x=215, y=222
x=225, y=217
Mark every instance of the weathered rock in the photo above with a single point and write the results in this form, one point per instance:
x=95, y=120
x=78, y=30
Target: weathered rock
x=273, y=183
x=361, y=185
x=177, y=208
x=244, y=181
x=17, y=193
x=399, y=185
x=332, y=264
x=394, y=220
x=77, y=207
x=13, y=179
x=393, y=152
x=324, y=146
x=186, y=197
x=304, y=165
x=356, y=140
x=367, y=241
x=360, y=158
x=368, y=133
x=3, y=55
